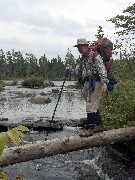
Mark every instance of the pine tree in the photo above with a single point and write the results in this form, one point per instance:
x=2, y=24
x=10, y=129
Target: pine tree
x=43, y=66
x=2, y=64
x=125, y=26
x=126, y=21
x=100, y=32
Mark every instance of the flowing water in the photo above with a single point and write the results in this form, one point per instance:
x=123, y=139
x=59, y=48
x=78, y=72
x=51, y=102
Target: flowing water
x=88, y=164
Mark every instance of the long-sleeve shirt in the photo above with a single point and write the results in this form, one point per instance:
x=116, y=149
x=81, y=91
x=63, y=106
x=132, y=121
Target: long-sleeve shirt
x=92, y=64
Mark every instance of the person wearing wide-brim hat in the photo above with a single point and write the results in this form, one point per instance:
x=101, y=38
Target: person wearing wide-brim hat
x=92, y=75
x=81, y=41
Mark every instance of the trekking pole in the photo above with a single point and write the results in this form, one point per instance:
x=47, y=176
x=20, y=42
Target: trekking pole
x=53, y=121
x=66, y=75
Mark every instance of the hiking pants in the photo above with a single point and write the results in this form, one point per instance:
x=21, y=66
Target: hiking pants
x=92, y=98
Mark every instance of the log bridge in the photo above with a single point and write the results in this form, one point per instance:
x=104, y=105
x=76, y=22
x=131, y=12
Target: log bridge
x=42, y=149
x=116, y=138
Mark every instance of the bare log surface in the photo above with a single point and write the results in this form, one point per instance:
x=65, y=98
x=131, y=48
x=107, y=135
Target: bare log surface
x=42, y=149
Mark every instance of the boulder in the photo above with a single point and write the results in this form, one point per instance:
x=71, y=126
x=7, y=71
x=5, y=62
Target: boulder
x=38, y=99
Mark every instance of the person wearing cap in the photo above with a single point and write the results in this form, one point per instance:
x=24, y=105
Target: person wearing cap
x=92, y=75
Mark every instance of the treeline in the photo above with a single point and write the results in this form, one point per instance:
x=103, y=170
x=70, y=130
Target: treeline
x=13, y=64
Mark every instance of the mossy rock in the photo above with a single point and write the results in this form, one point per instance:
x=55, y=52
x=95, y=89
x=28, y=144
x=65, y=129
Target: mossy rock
x=38, y=99
x=48, y=83
x=1, y=85
x=12, y=83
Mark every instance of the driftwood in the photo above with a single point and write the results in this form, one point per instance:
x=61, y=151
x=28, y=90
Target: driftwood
x=42, y=149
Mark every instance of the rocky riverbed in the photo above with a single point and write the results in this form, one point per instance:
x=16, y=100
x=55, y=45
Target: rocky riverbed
x=89, y=164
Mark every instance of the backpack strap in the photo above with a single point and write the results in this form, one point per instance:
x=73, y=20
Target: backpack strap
x=91, y=57
x=95, y=54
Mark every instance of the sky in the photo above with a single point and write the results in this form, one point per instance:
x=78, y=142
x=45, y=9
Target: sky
x=50, y=27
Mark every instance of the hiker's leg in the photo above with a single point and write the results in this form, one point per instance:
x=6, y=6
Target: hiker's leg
x=89, y=120
x=92, y=103
x=92, y=99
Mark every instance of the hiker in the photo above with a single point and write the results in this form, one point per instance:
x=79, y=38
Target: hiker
x=92, y=75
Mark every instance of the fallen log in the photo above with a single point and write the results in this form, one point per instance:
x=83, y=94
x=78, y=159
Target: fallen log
x=42, y=149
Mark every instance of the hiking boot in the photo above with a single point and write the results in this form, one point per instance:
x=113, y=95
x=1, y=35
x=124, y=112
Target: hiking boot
x=86, y=133
x=83, y=122
x=98, y=119
x=98, y=128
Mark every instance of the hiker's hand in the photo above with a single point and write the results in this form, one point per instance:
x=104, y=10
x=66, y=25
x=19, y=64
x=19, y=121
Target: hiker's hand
x=69, y=67
x=104, y=88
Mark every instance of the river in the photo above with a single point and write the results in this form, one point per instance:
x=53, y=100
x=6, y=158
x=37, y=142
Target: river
x=89, y=164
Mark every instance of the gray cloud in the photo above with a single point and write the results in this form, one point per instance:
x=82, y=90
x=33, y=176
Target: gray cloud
x=52, y=26
x=39, y=20
x=37, y=48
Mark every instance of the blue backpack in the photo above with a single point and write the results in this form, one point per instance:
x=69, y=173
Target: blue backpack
x=112, y=81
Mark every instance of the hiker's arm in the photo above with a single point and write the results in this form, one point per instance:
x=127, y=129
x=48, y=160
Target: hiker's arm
x=69, y=67
x=71, y=70
x=101, y=70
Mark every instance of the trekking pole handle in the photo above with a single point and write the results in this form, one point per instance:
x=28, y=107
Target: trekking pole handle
x=69, y=68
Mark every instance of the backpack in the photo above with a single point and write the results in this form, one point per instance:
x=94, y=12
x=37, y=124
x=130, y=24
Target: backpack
x=104, y=47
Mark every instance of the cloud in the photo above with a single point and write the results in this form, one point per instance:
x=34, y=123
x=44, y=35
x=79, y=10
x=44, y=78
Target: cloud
x=50, y=27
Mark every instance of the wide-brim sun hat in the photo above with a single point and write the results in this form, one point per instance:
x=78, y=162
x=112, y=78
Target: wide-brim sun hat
x=81, y=41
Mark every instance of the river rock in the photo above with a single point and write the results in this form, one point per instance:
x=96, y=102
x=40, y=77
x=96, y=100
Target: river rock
x=27, y=95
x=3, y=119
x=38, y=99
x=3, y=99
x=55, y=90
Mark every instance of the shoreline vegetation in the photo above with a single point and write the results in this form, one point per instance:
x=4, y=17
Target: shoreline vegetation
x=117, y=108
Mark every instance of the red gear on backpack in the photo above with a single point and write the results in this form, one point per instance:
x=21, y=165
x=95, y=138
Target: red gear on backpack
x=104, y=47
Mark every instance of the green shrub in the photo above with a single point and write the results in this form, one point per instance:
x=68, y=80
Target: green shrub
x=33, y=82
x=118, y=107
